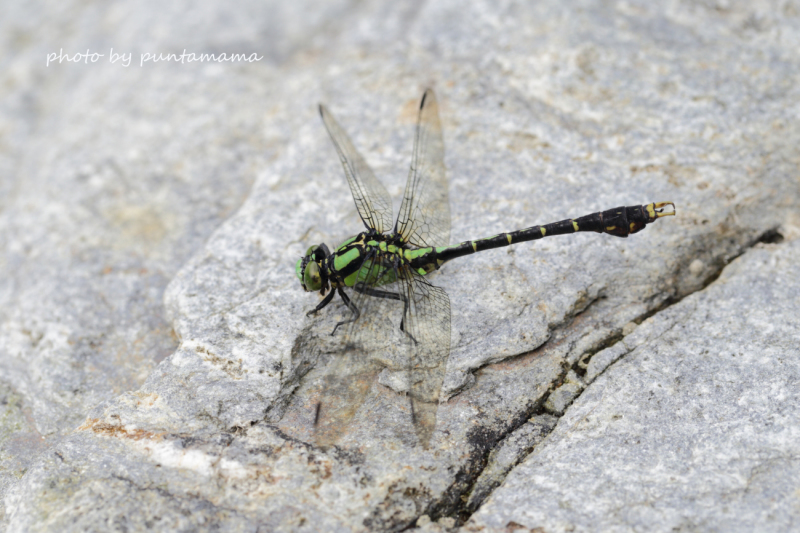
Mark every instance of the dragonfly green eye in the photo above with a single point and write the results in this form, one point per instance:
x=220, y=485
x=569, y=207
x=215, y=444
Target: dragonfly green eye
x=298, y=269
x=311, y=277
x=306, y=273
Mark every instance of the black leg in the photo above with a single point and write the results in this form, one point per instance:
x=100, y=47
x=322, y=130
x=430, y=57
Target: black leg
x=385, y=294
x=322, y=304
x=353, y=309
x=389, y=296
x=405, y=311
x=381, y=294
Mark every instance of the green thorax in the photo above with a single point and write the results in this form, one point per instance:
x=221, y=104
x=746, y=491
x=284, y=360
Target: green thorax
x=376, y=260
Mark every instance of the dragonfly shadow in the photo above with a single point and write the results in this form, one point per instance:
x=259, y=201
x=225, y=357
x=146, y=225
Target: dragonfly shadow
x=335, y=396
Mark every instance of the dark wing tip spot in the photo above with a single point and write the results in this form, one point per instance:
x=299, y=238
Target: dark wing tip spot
x=424, y=96
x=322, y=110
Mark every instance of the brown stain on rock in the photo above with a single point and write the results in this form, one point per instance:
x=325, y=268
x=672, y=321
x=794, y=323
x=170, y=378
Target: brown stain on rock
x=232, y=368
x=139, y=223
x=101, y=427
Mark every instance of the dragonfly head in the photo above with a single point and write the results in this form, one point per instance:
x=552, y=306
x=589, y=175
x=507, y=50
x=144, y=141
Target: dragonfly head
x=310, y=270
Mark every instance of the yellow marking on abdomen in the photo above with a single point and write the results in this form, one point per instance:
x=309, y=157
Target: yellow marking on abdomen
x=544, y=231
x=508, y=237
x=611, y=228
x=574, y=225
x=474, y=247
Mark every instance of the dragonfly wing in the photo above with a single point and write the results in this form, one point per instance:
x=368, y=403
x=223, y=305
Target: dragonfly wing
x=372, y=200
x=354, y=369
x=424, y=217
x=427, y=322
x=346, y=384
x=375, y=341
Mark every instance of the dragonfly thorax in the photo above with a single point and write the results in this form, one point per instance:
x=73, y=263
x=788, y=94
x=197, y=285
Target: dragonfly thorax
x=369, y=257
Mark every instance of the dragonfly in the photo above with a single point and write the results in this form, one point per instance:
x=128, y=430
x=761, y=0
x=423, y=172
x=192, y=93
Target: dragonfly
x=385, y=269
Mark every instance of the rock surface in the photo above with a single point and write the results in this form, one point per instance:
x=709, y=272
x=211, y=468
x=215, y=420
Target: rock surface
x=197, y=414
x=697, y=427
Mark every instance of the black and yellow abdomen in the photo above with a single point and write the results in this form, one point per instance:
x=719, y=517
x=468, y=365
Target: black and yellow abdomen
x=620, y=222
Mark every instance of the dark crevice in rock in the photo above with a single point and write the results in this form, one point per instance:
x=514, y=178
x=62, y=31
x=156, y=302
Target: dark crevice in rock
x=582, y=363
x=583, y=304
x=456, y=501
x=770, y=236
x=508, y=454
x=773, y=236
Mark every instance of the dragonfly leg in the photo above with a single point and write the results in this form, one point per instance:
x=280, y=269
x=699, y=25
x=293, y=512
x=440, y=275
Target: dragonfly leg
x=381, y=294
x=390, y=296
x=405, y=307
x=353, y=309
x=322, y=304
x=403, y=329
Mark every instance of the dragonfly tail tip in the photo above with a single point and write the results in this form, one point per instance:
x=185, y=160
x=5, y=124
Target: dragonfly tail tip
x=659, y=209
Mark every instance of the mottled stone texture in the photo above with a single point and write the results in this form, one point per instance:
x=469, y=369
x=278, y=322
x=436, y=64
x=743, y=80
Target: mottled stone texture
x=697, y=427
x=157, y=369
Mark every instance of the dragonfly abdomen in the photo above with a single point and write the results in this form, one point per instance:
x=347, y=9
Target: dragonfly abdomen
x=619, y=221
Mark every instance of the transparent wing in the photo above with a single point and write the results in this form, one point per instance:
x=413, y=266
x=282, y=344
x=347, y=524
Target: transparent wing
x=424, y=217
x=427, y=322
x=354, y=370
x=375, y=341
x=372, y=200
x=346, y=384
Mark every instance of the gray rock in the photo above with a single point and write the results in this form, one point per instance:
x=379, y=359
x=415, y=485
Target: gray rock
x=113, y=177
x=548, y=112
x=696, y=428
x=513, y=448
x=562, y=397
